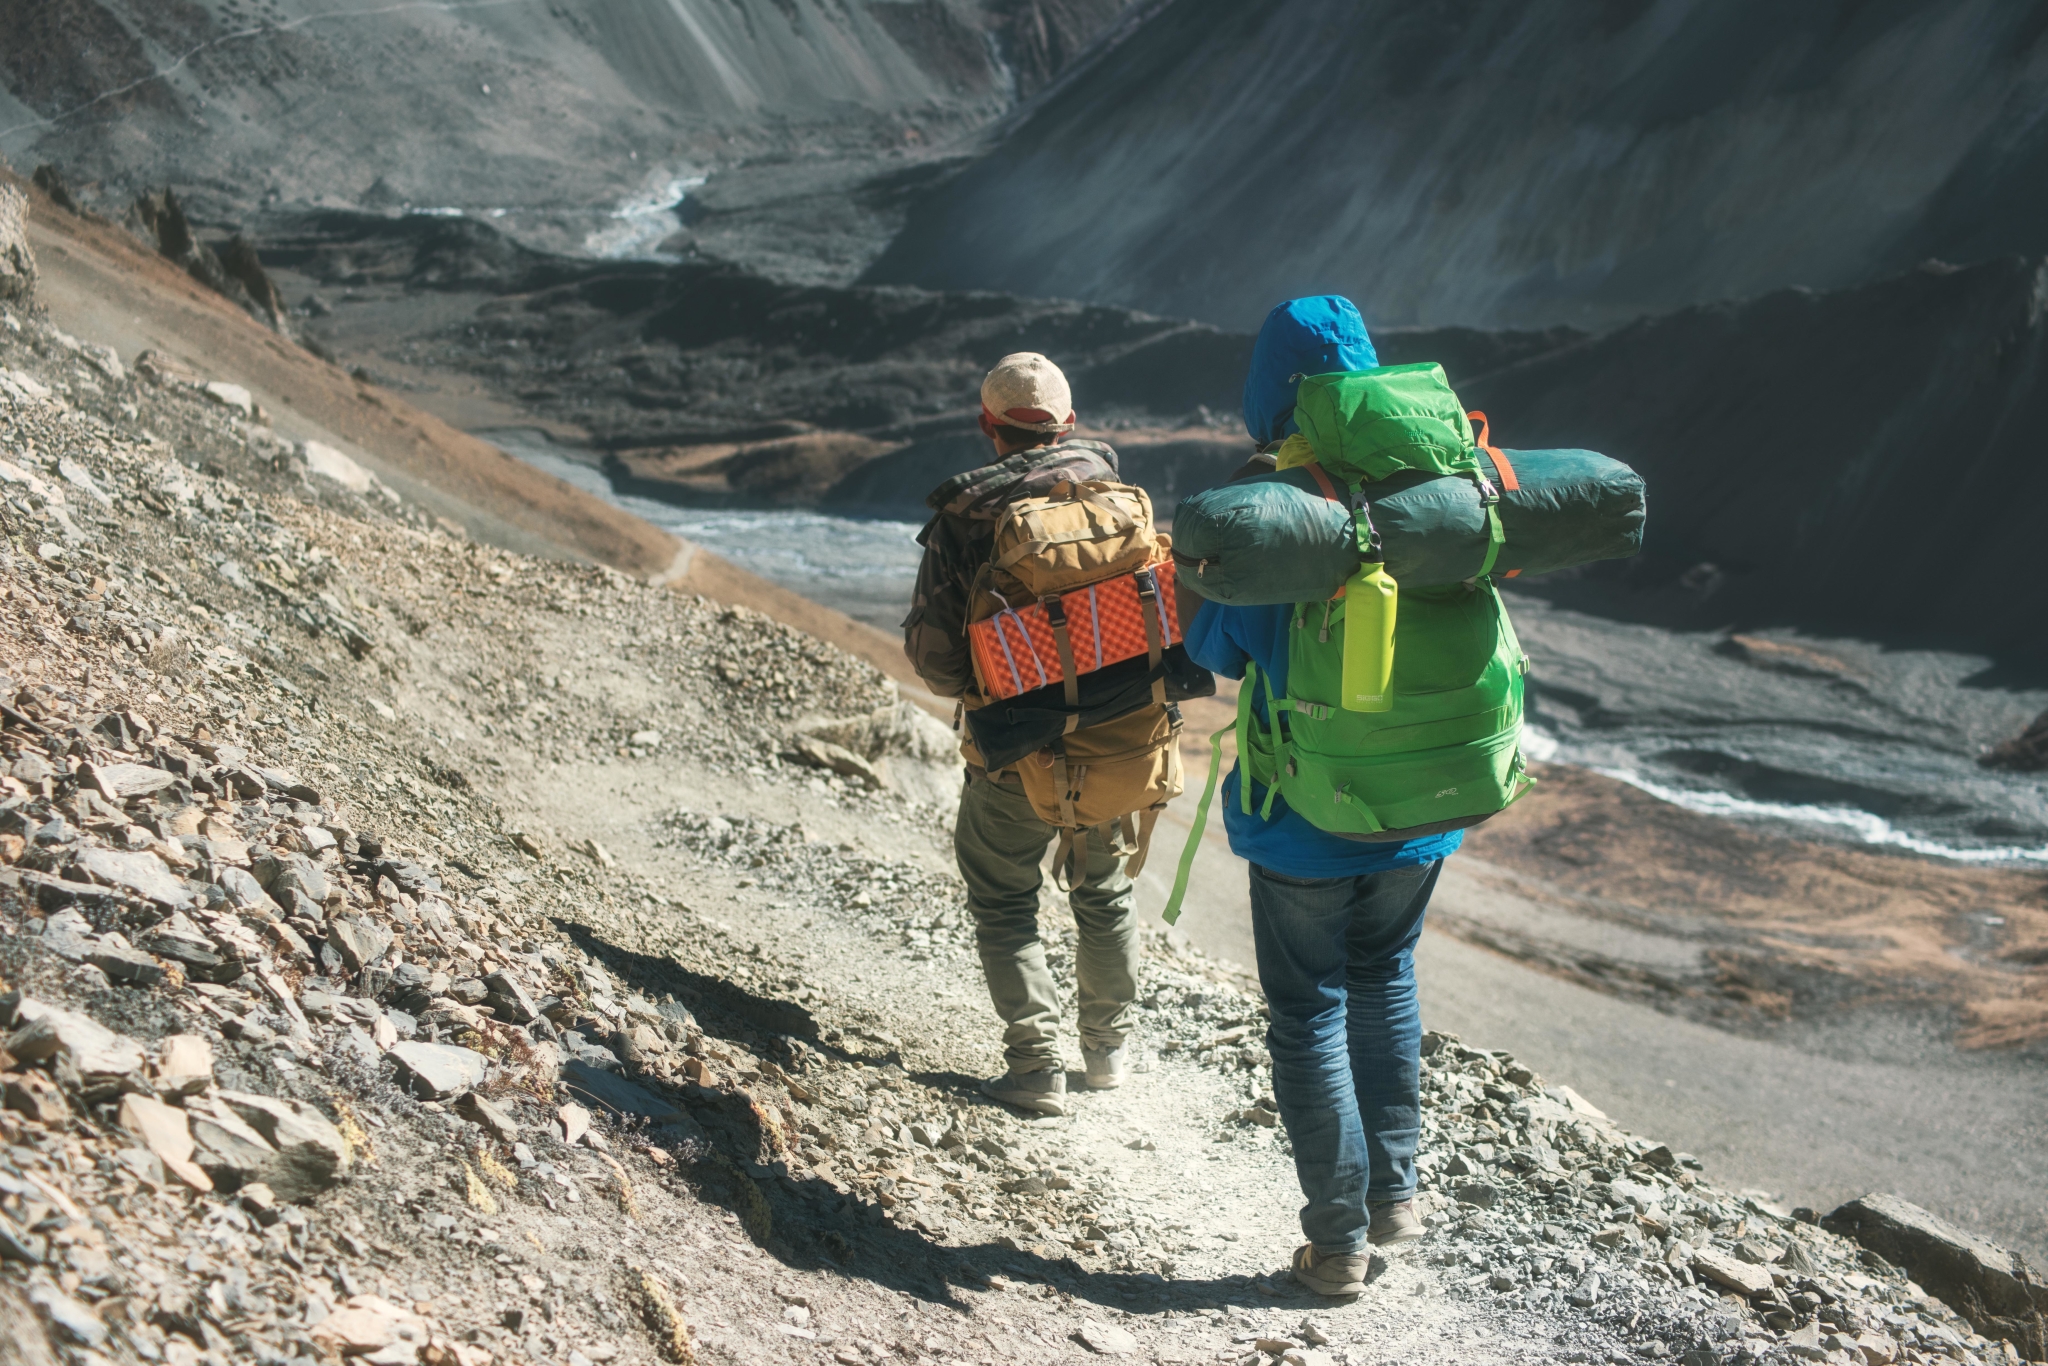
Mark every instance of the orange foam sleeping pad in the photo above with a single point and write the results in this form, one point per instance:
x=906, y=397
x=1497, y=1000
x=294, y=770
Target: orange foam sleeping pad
x=1016, y=652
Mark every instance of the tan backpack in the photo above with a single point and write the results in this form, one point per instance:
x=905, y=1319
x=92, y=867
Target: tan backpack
x=1122, y=772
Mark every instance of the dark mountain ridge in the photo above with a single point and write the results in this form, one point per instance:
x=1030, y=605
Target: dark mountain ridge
x=1494, y=163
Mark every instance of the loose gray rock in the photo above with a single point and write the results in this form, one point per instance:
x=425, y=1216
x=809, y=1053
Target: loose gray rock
x=438, y=1071
x=824, y=754
x=245, y=891
x=129, y=966
x=1478, y=1194
x=1106, y=1339
x=311, y=1154
x=228, y=1149
x=99, y=1055
x=74, y=1319
x=1739, y=1276
x=480, y=1111
x=509, y=1000
x=282, y=872
x=118, y=782
x=616, y=1094
x=359, y=942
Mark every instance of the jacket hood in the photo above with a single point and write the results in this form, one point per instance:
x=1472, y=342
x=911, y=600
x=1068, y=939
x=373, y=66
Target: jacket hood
x=1320, y=335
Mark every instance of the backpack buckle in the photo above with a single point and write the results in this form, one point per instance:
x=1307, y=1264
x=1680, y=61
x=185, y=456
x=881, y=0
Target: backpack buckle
x=1488, y=494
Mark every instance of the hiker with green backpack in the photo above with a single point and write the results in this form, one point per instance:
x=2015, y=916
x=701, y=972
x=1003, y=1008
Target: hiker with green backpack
x=1348, y=581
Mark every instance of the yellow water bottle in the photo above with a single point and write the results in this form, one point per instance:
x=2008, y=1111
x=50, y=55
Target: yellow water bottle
x=1370, y=599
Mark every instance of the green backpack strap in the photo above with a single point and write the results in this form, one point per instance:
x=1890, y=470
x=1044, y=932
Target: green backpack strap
x=1187, y=854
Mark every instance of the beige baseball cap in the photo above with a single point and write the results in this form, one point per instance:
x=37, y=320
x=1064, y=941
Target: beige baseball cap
x=1027, y=390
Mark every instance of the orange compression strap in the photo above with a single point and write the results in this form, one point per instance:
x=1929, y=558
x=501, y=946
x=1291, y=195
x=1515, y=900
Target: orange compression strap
x=1508, y=482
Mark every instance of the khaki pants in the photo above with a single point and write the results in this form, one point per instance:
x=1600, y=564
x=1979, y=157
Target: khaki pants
x=999, y=842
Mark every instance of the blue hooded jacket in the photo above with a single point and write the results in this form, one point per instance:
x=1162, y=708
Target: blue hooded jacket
x=1315, y=336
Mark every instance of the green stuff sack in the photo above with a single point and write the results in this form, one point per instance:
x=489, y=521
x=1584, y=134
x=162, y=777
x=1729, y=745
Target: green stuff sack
x=1278, y=537
x=1404, y=487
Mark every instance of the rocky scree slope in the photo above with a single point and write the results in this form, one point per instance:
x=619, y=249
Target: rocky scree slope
x=311, y=1052
x=1497, y=165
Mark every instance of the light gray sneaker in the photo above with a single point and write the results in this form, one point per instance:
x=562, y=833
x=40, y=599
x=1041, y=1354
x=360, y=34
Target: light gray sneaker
x=1043, y=1092
x=1104, y=1070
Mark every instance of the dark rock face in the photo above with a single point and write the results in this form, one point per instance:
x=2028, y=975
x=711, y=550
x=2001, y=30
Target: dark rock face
x=2026, y=752
x=1502, y=164
x=234, y=271
x=1860, y=461
x=17, y=262
x=1994, y=1289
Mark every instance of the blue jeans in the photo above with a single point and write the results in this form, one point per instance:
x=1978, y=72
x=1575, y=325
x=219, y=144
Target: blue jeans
x=1337, y=961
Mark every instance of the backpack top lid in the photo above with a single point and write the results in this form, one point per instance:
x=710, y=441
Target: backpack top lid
x=1367, y=424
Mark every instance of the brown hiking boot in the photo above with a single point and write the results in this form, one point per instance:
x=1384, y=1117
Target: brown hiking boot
x=1395, y=1225
x=1331, y=1273
x=1042, y=1092
x=1104, y=1069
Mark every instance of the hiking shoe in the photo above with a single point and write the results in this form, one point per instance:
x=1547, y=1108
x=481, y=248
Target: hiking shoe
x=1104, y=1070
x=1043, y=1092
x=1331, y=1273
x=1395, y=1225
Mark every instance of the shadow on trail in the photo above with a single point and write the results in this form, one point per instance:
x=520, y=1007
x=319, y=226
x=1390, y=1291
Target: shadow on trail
x=807, y=1222
x=718, y=1001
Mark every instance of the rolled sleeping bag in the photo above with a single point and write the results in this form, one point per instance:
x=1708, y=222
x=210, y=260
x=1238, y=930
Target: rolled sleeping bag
x=1275, y=538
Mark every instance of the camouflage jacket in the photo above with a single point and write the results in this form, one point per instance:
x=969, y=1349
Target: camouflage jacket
x=957, y=542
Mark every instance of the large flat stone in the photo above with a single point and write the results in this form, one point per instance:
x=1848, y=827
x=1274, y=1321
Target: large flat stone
x=118, y=782
x=1996, y=1290
x=100, y=1055
x=438, y=1071
x=617, y=1095
x=139, y=873
x=1724, y=1270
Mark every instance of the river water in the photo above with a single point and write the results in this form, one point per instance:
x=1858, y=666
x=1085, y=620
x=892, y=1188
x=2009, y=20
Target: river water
x=1831, y=739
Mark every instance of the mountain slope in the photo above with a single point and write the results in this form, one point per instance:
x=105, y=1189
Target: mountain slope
x=1500, y=164
x=502, y=105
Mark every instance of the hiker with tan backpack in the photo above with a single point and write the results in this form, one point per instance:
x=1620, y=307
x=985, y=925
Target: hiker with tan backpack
x=1045, y=604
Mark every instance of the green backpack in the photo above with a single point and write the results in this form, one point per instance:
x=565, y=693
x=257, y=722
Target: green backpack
x=1447, y=755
